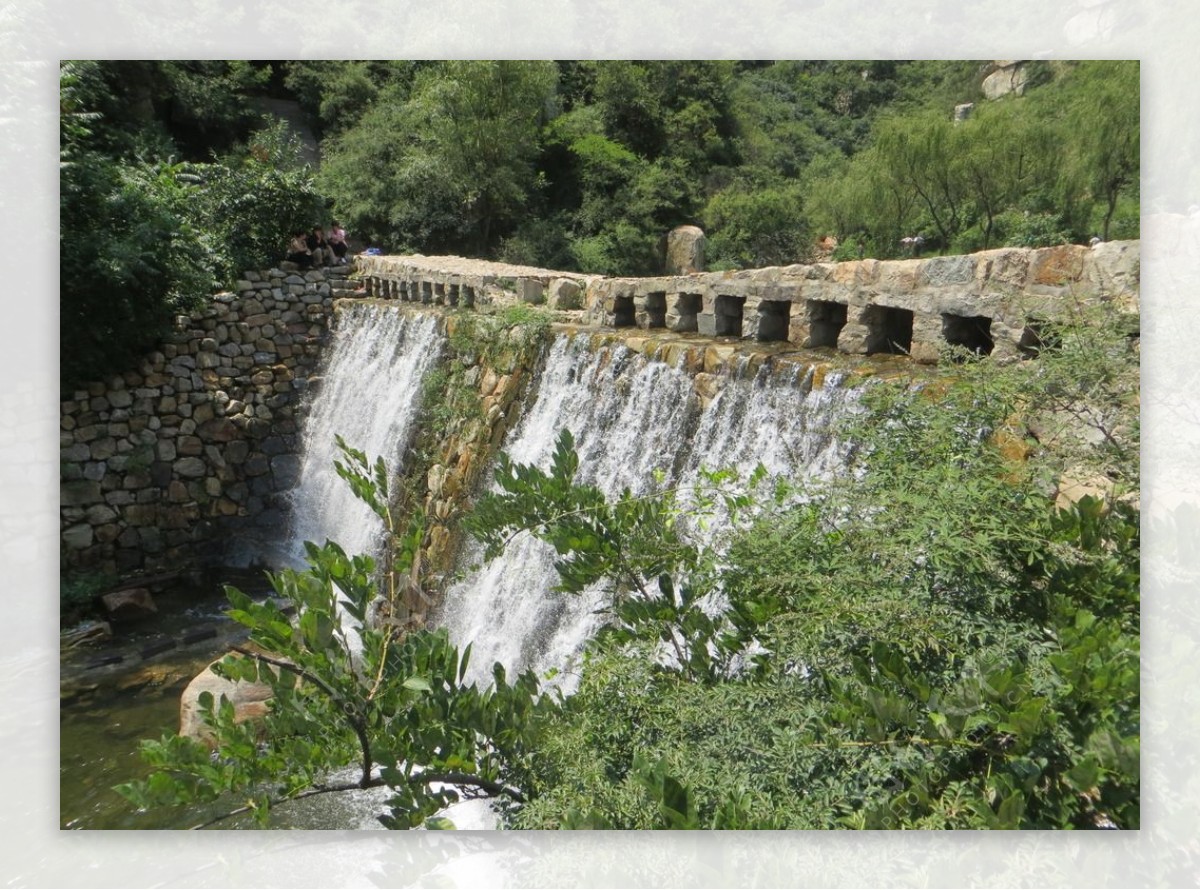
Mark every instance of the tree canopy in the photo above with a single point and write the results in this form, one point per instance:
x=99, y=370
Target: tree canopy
x=767, y=157
x=171, y=184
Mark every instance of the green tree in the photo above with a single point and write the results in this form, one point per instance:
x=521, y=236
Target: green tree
x=1105, y=114
x=448, y=166
x=247, y=204
x=352, y=694
x=127, y=263
x=1004, y=155
x=758, y=227
x=918, y=153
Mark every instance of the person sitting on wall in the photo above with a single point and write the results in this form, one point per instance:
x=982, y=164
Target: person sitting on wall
x=337, y=243
x=318, y=247
x=298, y=251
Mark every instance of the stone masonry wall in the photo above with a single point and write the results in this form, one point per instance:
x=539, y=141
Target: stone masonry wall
x=985, y=301
x=193, y=448
x=162, y=463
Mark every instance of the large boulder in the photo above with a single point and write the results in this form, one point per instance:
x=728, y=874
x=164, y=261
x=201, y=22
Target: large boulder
x=685, y=250
x=249, y=699
x=1006, y=77
x=129, y=605
x=565, y=294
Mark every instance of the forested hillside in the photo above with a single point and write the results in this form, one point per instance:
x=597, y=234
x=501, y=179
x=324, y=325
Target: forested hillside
x=584, y=165
x=173, y=181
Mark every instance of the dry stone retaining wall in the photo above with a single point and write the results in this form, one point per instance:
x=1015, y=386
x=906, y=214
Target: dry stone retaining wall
x=191, y=448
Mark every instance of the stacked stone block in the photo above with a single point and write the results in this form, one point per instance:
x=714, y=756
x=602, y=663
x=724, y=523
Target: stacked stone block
x=199, y=440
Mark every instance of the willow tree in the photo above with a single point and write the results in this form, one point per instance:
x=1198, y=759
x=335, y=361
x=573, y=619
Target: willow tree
x=918, y=152
x=1002, y=155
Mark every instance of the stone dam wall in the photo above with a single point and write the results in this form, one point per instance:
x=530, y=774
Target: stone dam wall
x=168, y=463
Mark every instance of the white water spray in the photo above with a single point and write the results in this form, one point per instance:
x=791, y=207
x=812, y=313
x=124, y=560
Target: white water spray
x=630, y=417
x=370, y=395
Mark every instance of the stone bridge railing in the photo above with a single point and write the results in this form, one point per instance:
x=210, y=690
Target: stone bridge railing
x=990, y=302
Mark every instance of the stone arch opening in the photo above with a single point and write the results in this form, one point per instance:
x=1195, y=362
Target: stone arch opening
x=624, y=313
x=774, y=318
x=889, y=330
x=426, y=292
x=728, y=311
x=681, y=315
x=971, y=332
x=656, y=309
x=825, y=322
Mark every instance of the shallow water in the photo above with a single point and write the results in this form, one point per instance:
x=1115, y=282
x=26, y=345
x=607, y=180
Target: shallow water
x=106, y=710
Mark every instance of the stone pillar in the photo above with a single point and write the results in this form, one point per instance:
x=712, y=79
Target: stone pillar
x=532, y=291
x=681, y=312
x=926, y=338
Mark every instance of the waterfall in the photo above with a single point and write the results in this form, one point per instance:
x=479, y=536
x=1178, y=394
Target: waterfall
x=630, y=417
x=370, y=395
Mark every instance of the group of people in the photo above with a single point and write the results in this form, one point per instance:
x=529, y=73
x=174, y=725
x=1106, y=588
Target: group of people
x=313, y=250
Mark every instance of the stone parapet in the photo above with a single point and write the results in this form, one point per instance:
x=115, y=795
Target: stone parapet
x=983, y=302
x=459, y=282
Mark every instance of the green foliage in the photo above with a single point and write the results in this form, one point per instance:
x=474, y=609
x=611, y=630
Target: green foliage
x=1106, y=114
x=929, y=643
x=585, y=165
x=447, y=165
x=127, y=262
x=247, y=205
x=351, y=693
x=637, y=546
x=762, y=227
x=78, y=590
x=143, y=236
x=1062, y=157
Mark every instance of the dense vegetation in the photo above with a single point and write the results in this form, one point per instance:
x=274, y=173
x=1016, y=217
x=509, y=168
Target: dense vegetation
x=928, y=642
x=585, y=165
x=169, y=186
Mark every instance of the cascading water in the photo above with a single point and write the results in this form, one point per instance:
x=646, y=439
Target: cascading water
x=370, y=395
x=630, y=417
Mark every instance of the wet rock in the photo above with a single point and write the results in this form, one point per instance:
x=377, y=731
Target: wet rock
x=249, y=700
x=87, y=633
x=129, y=605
